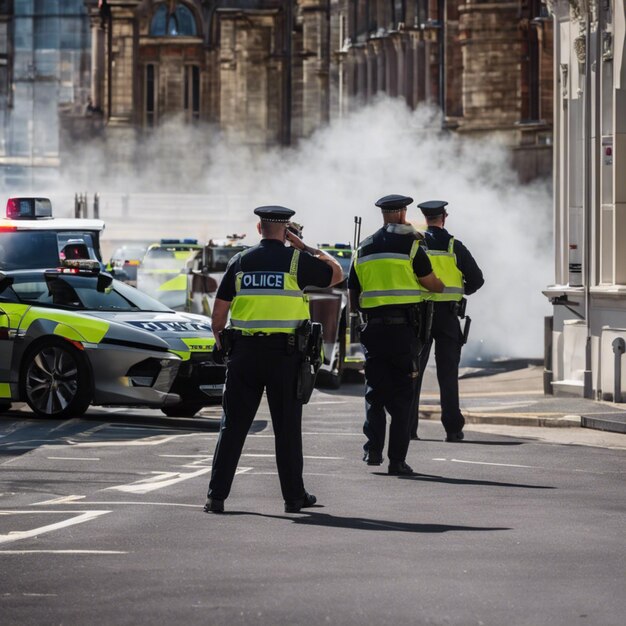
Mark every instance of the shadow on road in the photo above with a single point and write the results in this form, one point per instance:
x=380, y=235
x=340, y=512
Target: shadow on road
x=313, y=518
x=462, y=481
x=478, y=442
x=20, y=434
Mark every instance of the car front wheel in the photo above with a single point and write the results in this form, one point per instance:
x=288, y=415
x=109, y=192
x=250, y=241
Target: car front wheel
x=55, y=380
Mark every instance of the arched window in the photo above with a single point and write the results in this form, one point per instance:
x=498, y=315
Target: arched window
x=173, y=20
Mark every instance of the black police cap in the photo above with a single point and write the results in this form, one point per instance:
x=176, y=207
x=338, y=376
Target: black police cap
x=394, y=202
x=274, y=213
x=433, y=208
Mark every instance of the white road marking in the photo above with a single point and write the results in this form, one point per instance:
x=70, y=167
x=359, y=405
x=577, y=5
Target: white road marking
x=60, y=552
x=114, y=502
x=185, y=456
x=164, y=479
x=156, y=440
x=329, y=434
x=383, y=525
x=41, y=595
x=61, y=500
x=497, y=464
x=337, y=458
x=86, y=516
x=73, y=458
x=538, y=467
x=276, y=474
x=487, y=463
x=328, y=402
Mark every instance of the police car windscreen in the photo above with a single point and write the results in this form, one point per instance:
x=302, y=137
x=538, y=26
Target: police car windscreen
x=24, y=250
x=218, y=258
x=81, y=292
x=345, y=259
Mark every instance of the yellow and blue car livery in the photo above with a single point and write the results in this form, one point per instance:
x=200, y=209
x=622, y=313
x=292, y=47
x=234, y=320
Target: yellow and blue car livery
x=163, y=271
x=69, y=339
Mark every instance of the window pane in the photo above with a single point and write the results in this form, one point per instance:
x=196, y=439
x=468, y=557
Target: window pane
x=172, y=25
x=186, y=21
x=159, y=21
x=23, y=7
x=23, y=34
x=46, y=33
x=47, y=6
x=195, y=83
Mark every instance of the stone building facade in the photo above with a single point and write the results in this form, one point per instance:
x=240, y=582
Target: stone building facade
x=270, y=72
x=586, y=336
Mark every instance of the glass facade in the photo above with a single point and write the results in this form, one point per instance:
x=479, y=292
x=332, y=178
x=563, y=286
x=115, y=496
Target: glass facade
x=44, y=67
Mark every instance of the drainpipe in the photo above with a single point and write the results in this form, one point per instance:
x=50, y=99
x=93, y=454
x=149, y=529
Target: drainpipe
x=441, y=42
x=587, y=207
x=619, y=347
x=287, y=82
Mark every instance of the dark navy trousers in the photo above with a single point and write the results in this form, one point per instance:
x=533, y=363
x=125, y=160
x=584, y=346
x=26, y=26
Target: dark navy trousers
x=448, y=339
x=391, y=362
x=257, y=364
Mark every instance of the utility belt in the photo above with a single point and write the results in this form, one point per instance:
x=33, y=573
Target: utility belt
x=418, y=316
x=458, y=309
x=307, y=342
x=385, y=320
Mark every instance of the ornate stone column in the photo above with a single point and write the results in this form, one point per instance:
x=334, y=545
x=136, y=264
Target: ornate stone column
x=121, y=52
x=97, y=55
x=315, y=63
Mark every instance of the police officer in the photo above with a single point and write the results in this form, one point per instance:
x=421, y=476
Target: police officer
x=262, y=289
x=387, y=278
x=460, y=273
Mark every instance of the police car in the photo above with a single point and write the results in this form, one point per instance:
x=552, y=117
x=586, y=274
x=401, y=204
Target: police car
x=162, y=273
x=125, y=261
x=331, y=306
x=73, y=336
x=31, y=238
x=205, y=269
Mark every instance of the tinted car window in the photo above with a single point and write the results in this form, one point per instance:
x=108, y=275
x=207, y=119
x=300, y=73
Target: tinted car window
x=28, y=250
x=217, y=258
x=81, y=293
x=31, y=249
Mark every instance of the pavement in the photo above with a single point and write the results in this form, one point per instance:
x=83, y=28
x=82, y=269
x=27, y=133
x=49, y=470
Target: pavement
x=512, y=395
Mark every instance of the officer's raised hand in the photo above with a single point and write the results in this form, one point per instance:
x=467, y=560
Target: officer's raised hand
x=297, y=243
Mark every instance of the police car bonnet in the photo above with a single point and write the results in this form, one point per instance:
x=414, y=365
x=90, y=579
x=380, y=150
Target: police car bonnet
x=393, y=202
x=274, y=213
x=433, y=208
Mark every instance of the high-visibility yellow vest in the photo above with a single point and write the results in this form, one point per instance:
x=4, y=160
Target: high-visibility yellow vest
x=387, y=278
x=446, y=270
x=269, y=302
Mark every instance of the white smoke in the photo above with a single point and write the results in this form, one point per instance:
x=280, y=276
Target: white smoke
x=340, y=172
x=386, y=148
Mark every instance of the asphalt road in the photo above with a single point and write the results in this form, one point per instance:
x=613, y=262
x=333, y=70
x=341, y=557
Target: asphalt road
x=101, y=522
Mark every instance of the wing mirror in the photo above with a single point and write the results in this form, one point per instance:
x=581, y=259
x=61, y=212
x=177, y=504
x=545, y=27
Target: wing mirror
x=5, y=282
x=104, y=282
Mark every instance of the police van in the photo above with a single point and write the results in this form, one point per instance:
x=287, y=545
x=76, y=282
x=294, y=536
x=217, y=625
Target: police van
x=31, y=238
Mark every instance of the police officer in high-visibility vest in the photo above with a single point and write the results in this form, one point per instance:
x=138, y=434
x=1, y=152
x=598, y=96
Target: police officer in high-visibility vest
x=460, y=273
x=387, y=278
x=263, y=290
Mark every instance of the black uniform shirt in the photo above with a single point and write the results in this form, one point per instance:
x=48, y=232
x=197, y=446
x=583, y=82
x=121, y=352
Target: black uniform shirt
x=439, y=239
x=388, y=239
x=271, y=255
